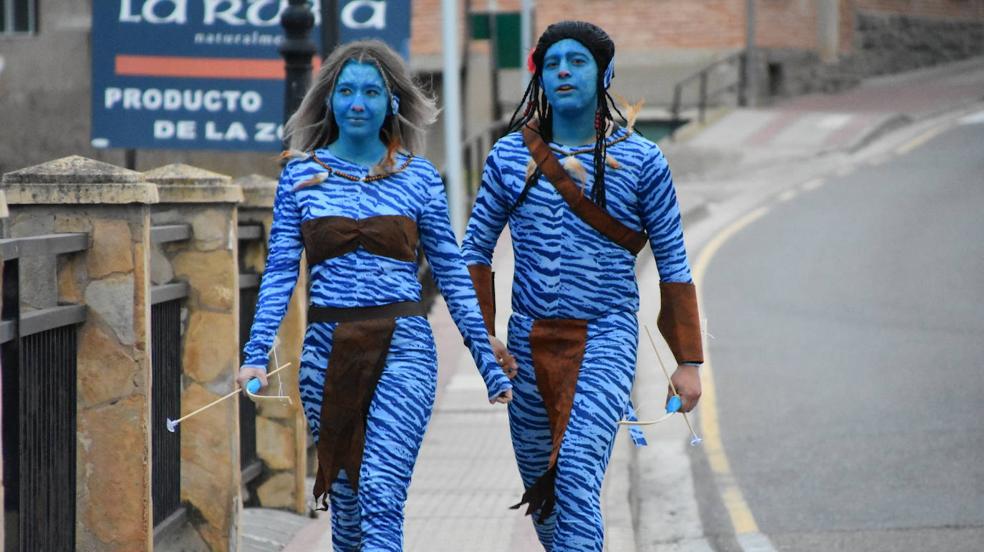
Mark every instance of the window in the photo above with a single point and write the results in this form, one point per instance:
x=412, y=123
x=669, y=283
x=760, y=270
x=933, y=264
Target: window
x=18, y=17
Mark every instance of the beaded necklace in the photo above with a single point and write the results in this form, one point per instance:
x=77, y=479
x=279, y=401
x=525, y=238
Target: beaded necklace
x=590, y=149
x=366, y=178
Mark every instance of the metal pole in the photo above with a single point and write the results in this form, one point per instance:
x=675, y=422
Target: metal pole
x=330, y=34
x=297, y=50
x=751, y=96
x=452, y=115
x=494, y=60
x=525, y=40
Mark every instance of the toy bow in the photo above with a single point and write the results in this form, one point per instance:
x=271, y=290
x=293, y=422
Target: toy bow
x=252, y=389
x=672, y=406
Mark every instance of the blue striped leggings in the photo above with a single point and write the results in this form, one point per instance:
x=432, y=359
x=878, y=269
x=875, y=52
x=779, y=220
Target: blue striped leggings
x=372, y=519
x=600, y=399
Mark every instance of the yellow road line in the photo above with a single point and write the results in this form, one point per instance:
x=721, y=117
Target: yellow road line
x=787, y=195
x=919, y=140
x=810, y=185
x=738, y=510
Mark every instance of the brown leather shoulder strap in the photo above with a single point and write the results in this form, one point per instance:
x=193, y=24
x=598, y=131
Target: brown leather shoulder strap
x=587, y=210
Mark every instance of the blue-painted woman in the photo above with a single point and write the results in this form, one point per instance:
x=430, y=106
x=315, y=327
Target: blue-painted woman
x=360, y=205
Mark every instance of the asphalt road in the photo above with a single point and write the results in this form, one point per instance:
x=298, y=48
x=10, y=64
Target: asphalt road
x=849, y=355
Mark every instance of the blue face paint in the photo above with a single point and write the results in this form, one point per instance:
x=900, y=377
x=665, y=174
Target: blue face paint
x=570, y=78
x=359, y=103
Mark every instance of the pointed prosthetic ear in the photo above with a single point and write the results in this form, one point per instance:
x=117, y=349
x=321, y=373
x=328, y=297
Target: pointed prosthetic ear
x=395, y=104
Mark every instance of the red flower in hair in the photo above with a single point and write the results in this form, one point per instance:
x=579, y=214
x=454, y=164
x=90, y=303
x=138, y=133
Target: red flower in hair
x=530, y=64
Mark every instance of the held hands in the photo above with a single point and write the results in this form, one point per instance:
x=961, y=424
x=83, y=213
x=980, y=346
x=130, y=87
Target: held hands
x=686, y=379
x=247, y=373
x=508, y=363
x=504, y=357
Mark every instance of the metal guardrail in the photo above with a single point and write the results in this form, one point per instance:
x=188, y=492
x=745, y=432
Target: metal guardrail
x=704, y=95
x=249, y=286
x=165, y=399
x=39, y=370
x=170, y=233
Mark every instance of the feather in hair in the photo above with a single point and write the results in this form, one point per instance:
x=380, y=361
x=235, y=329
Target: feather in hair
x=631, y=110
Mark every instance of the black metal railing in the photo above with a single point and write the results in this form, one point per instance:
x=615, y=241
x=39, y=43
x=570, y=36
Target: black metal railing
x=704, y=94
x=165, y=400
x=38, y=352
x=249, y=287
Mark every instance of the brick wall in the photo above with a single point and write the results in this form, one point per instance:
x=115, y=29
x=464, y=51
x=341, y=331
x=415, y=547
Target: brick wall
x=645, y=25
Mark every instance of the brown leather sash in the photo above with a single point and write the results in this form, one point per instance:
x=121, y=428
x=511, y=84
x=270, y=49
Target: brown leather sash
x=358, y=356
x=584, y=208
x=557, y=347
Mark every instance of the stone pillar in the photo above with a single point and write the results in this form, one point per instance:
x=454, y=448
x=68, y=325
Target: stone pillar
x=281, y=430
x=3, y=215
x=828, y=29
x=111, y=204
x=210, y=472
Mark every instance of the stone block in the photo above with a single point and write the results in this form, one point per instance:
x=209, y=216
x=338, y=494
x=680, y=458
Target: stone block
x=180, y=183
x=277, y=491
x=76, y=179
x=112, y=299
x=275, y=444
x=212, y=276
x=105, y=369
x=71, y=278
x=209, y=474
x=212, y=229
x=114, y=448
x=258, y=191
x=210, y=349
x=111, y=250
x=161, y=271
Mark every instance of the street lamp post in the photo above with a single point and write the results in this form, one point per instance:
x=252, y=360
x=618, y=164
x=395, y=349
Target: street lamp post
x=297, y=21
x=749, y=97
x=329, y=27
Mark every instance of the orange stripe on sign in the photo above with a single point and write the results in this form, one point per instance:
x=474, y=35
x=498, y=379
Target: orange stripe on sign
x=198, y=67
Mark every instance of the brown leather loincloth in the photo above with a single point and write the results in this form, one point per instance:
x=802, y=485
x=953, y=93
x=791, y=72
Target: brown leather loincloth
x=558, y=349
x=358, y=356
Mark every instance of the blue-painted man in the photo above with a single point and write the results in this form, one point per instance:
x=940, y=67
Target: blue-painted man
x=582, y=196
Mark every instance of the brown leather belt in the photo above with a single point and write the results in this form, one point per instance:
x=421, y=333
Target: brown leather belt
x=361, y=343
x=357, y=314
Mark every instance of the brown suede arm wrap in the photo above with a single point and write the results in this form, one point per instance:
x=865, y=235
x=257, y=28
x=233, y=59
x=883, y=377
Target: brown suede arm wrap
x=679, y=321
x=483, y=279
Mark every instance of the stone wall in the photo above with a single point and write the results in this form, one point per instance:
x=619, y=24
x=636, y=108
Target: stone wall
x=210, y=344
x=281, y=429
x=891, y=43
x=113, y=406
x=118, y=208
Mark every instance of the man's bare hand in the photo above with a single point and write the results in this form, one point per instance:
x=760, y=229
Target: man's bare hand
x=247, y=373
x=686, y=379
x=504, y=358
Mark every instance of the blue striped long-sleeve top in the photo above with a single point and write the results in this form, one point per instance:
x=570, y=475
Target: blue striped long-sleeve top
x=563, y=267
x=360, y=278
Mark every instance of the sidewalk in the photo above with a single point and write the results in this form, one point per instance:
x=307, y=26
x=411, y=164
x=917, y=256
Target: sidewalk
x=817, y=124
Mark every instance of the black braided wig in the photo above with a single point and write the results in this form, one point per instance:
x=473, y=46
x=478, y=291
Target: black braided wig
x=534, y=105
